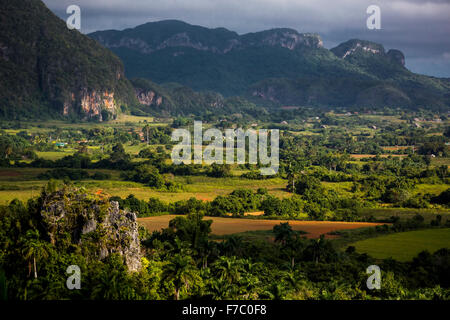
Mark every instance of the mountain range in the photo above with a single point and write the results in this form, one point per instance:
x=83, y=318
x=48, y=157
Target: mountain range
x=277, y=67
x=47, y=70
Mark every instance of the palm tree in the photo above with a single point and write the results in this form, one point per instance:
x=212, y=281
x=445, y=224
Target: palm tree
x=34, y=249
x=229, y=269
x=230, y=276
x=276, y=291
x=283, y=233
x=181, y=272
x=205, y=249
x=233, y=245
x=8, y=151
x=291, y=178
x=250, y=278
x=113, y=285
x=319, y=247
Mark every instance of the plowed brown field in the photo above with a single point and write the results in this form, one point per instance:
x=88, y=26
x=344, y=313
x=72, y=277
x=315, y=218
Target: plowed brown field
x=223, y=226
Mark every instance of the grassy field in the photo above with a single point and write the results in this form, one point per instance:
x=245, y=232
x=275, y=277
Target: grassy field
x=342, y=188
x=362, y=156
x=435, y=189
x=129, y=118
x=22, y=183
x=405, y=245
x=404, y=213
x=123, y=121
x=224, y=226
x=203, y=188
x=396, y=148
x=55, y=155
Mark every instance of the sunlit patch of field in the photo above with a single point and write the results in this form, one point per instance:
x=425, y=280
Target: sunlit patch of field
x=122, y=121
x=435, y=189
x=202, y=188
x=255, y=214
x=6, y=196
x=396, y=148
x=134, y=149
x=382, y=118
x=305, y=133
x=129, y=118
x=221, y=186
x=224, y=226
x=361, y=156
x=342, y=188
x=23, y=184
x=55, y=155
x=12, y=131
x=404, y=246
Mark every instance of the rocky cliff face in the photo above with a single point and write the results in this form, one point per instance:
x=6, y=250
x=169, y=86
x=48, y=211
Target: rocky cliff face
x=151, y=37
x=285, y=38
x=353, y=48
x=90, y=103
x=148, y=97
x=95, y=224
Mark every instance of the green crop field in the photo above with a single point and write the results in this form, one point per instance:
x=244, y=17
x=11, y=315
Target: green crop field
x=405, y=245
x=430, y=188
x=55, y=155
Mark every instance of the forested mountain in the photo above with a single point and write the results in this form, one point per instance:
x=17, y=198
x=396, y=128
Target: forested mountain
x=278, y=66
x=48, y=70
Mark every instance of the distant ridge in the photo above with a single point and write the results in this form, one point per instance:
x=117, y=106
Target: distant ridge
x=277, y=66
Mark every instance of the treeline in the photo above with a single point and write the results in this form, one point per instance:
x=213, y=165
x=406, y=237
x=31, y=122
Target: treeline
x=236, y=203
x=314, y=204
x=14, y=148
x=72, y=174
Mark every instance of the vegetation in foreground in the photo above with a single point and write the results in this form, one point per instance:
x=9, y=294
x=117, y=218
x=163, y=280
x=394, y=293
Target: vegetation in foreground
x=181, y=262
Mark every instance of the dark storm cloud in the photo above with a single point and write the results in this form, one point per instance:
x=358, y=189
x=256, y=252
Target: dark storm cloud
x=421, y=29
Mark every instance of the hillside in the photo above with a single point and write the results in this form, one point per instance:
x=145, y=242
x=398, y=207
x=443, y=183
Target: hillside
x=47, y=70
x=278, y=66
x=175, y=99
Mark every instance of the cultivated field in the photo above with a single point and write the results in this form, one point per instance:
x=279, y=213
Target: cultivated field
x=224, y=226
x=362, y=156
x=23, y=184
x=405, y=245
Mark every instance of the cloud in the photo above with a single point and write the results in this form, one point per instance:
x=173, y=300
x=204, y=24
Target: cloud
x=419, y=28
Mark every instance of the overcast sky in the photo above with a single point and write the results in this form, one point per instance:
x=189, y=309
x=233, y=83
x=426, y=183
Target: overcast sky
x=420, y=28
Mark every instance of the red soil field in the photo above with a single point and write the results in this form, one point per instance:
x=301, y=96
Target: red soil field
x=224, y=226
